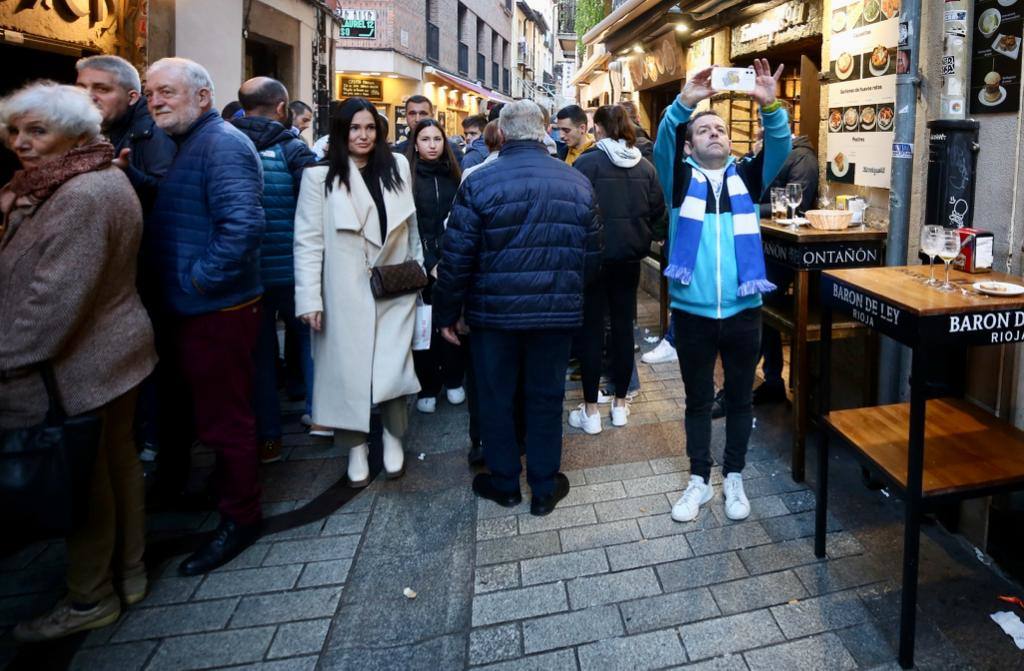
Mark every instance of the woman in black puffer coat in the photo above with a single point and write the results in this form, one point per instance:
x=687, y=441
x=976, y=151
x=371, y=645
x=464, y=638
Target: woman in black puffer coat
x=435, y=179
x=632, y=206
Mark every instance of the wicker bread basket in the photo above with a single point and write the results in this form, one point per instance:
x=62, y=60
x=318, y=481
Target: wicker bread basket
x=830, y=220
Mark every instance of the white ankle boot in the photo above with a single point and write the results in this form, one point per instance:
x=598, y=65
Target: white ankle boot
x=394, y=456
x=358, y=466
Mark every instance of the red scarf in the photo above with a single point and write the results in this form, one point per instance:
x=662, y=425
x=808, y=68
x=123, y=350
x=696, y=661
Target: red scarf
x=32, y=186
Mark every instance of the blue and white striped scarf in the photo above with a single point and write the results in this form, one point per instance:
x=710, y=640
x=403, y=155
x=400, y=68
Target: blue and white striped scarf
x=746, y=234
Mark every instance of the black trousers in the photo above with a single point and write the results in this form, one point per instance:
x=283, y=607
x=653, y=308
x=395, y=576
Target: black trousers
x=613, y=293
x=699, y=341
x=442, y=364
x=541, y=357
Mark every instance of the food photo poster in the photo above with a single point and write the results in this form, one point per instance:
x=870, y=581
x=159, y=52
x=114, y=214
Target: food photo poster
x=996, y=57
x=862, y=90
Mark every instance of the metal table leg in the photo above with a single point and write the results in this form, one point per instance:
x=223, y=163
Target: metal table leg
x=912, y=522
x=798, y=360
x=824, y=394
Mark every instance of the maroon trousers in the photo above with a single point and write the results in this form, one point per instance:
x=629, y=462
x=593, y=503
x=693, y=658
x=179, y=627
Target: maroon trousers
x=216, y=355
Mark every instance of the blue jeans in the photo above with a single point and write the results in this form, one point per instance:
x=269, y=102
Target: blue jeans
x=541, y=358
x=278, y=303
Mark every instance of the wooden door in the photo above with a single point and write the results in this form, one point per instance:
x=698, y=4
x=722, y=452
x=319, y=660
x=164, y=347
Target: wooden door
x=810, y=97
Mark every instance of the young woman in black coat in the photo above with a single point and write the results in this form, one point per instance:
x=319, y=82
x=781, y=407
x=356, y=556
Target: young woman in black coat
x=435, y=179
x=631, y=206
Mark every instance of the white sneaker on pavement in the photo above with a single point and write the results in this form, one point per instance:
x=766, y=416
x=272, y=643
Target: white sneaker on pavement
x=620, y=415
x=426, y=405
x=688, y=506
x=579, y=419
x=358, y=466
x=456, y=396
x=603, y=398
x=737, y=507
x=663, y=353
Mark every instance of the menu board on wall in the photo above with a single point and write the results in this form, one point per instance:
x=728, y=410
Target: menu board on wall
x=371, y=89
x=995, y=67
x=862, y=92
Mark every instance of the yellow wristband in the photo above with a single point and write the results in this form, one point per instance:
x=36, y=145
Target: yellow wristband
x=768, y=109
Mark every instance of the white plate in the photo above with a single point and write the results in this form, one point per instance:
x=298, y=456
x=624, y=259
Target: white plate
x=838, y=21
x=1009, y=54
x=981, y=97
x=1006, y=3
x=882, y=125
x=878, y=72
x=836, y=173
x=867, y=126
x=799, y=221
x=848, y=72
x=998, y=288
x=981, y=19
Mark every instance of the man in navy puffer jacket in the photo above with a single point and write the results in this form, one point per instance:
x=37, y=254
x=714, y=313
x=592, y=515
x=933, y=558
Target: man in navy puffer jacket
x=523, y=237
x=284, y=156
x=202, y=242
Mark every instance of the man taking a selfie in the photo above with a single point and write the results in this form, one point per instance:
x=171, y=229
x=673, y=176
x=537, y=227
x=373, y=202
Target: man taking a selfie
x=716, y=271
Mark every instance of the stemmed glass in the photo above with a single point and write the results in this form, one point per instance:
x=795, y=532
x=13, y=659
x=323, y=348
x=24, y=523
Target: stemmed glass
x=931, y=237
x=794, y=196
x=948, y=250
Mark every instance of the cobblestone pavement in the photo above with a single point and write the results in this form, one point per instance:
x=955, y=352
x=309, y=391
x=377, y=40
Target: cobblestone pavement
x=608, y=581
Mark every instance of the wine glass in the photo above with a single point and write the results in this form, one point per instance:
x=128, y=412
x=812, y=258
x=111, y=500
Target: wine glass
x=825, y=197
x=794, y=196
x=949, y=249
x=930, y=240
x=778, y=195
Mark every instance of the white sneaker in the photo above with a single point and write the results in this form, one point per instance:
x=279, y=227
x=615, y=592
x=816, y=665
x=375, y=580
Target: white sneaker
x=359, y=466
x=619, y=415
x=394, y=456
x=602, y=399
x=579, y=419
x=688, y=506
x=426, y=405
x=456, y=396
x=737, y=507
x=663, y=353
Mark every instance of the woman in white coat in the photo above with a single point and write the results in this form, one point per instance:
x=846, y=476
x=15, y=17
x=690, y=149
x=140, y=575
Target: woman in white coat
x=353, y=213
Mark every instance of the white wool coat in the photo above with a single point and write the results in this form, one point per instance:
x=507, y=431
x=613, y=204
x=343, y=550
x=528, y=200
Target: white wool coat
x=363, y=354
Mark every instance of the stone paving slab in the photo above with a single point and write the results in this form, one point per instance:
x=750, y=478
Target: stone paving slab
x=654, y=650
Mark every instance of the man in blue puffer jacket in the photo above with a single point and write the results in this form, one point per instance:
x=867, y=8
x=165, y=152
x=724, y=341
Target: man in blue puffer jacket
x=284, y=156
x=202, y=243
x=716, y=271
x=523, y=237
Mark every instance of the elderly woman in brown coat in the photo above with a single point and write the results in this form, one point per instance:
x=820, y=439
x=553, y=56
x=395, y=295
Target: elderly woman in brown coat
x=71, y=230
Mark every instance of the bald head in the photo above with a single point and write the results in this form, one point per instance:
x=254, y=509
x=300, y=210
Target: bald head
x=265, y=97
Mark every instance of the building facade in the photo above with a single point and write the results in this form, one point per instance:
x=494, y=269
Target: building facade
x=533, y=34
x=458, y=54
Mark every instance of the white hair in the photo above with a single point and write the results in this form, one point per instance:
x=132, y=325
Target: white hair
x=522, y=120
x=194, y=74
x=126, y=74
x=67, y=110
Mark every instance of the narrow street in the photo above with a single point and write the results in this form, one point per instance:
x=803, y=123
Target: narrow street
x=608, y=581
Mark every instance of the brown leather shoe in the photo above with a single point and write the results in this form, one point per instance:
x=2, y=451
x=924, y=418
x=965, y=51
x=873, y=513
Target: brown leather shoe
x=270, y=451
x=64, y=620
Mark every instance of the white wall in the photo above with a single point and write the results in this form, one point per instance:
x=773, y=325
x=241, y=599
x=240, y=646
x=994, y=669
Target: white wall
x=210, y=33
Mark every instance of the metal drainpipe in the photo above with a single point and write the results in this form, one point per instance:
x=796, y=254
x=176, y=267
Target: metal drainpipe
x=892, y=359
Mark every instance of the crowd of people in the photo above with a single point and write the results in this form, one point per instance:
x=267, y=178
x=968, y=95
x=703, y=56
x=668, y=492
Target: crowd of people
x=153, y=246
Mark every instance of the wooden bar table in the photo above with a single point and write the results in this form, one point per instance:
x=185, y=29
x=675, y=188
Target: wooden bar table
x=806, y=250
x=929, y=451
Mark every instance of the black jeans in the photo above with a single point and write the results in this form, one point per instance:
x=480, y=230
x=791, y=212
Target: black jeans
x=699, y=340
x=613, y=292
x=542, y=358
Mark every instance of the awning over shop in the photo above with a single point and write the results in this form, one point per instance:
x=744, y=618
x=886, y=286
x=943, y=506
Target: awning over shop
x=465, y=84
x=589, y=66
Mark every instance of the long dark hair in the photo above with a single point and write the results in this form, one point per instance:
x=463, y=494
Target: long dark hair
x=616, y=123
x=381, y=164
x=447, y=157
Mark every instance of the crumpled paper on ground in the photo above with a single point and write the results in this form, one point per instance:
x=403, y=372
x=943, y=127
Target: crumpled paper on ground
x=1012, y=625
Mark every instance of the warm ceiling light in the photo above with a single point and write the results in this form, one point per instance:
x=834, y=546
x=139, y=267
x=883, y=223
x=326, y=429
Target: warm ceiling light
x=681, y=27
x=393, y=76
x=637, y=49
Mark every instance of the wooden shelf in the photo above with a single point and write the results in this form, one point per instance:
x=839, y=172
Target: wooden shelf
x=965, y=447
x=781, y=319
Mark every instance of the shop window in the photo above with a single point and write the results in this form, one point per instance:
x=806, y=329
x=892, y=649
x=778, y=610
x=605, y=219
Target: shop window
x=433, y=42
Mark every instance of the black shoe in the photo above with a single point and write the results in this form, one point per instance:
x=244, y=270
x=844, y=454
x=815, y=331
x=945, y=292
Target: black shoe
x=770, y=392
x=483, y=486
x=228, y=541
x=718, y=407
x=543, y=505
x=476, y=456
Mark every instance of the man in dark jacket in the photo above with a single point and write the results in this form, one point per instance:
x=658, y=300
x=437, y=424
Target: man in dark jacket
x=476, y=148
x=522, y=238
x=141, y=149
x=202, y=242
x=284, y=156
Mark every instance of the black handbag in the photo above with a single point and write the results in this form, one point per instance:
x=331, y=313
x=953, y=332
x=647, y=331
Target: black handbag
x=46, y=470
